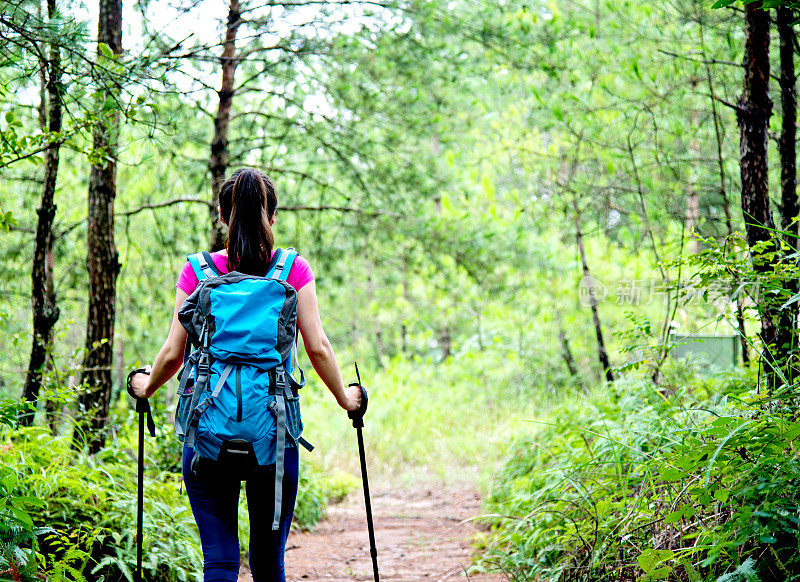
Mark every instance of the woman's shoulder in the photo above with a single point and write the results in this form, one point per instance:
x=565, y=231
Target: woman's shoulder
x=187, y=278
x=301, y=273
x=301, y=260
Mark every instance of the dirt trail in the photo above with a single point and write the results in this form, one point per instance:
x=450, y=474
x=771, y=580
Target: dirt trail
x=422, y=534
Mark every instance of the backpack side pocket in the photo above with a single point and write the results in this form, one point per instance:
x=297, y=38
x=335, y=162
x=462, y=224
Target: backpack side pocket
x=186, y=388
x=294, y=423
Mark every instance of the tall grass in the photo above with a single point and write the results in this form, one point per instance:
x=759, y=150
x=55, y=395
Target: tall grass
x=692, y=480
x=452, y=421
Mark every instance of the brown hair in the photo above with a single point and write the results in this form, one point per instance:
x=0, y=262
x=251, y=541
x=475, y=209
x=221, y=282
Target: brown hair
x=247, y=202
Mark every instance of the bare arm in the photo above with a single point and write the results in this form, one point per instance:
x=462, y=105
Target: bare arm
x=319, y=348
x=169, y=358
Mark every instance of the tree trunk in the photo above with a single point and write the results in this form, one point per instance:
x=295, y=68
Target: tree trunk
x=787, y=323
x=404, y=324
x=755, y=109
x=445, y=342
x=598, y=329
x=693, y=196
x=479, y=327
x=566, y=351
x=726, y=206
x=380, y=349
x=102, y=258
x=218, y=162
x=43, y=295
x=788, y=79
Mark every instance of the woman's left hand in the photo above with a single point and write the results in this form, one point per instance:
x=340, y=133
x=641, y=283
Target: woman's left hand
x=139, y=384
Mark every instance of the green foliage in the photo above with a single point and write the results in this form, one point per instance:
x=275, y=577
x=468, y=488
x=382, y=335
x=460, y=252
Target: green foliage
x=311, y=498
x=695, y=480
x=7, y=220
x=442, y=435
x=339, y=484
x=77, y=514
x=431, y=159
x=21, y=530
x=89, y=503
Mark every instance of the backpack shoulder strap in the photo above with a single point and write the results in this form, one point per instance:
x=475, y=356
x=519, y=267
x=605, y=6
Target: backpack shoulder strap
x=203, y=265
x=276, y=255
x=285, y=260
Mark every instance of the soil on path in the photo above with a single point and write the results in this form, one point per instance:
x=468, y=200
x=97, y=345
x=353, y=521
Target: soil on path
x=422, y=534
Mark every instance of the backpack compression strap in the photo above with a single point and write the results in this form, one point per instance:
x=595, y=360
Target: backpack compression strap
x=203, y=265
x=282, y=391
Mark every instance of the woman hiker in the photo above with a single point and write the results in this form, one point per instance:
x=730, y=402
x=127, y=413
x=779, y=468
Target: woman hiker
x=247, y=204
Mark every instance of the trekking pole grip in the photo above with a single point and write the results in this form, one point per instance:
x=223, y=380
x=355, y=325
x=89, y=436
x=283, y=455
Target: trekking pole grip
x=142, y=404
x=357, y=416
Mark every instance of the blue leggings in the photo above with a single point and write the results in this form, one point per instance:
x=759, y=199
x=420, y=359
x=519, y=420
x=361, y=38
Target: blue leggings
x=215, y=503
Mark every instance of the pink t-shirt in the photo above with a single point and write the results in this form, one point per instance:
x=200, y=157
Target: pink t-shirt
x=300, y=274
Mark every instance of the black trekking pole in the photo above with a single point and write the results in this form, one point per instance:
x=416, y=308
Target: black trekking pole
x=143, y=408
x=357, y=416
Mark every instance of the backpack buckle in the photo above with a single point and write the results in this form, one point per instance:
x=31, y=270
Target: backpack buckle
x=199, y=410
x=280, y=377
x=204, y=361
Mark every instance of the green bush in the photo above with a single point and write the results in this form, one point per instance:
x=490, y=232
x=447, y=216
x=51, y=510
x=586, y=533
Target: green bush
x=69, y=517
x=339, y=484
x=90, y=503
x=694, y=480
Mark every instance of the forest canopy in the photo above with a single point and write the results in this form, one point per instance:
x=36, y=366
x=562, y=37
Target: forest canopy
x=522, y=217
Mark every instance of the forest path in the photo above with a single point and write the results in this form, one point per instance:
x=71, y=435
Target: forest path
x=422, y=534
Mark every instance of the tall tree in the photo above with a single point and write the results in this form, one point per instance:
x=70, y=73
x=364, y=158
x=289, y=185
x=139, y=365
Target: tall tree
x=602, y=352
x=693, y=195
x=43, y=295
x=218, y=162
x=102, y=259
x=744, y=342
x=787, y=323
x=753, y=114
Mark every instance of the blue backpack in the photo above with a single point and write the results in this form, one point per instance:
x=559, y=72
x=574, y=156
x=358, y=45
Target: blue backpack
x=238, y=401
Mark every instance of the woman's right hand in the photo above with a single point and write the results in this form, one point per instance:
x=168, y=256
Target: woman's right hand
x=352, y=398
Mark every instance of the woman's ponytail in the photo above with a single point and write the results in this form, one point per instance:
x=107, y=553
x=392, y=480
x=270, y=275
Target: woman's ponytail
x=252, y=204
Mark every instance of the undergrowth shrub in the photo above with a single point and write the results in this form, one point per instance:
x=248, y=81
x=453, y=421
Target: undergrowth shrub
x=82, y=510
x=694, y=480
x=89, y=503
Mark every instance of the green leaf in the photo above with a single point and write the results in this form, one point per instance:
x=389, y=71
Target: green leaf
x=722, y=495
x=7, y=220
x=659, y=573
x=675, y=516
x=33, y=501
x=650, y=560
x=691, y=572
x=672, y=474
x=22, y=517
x=105, y=49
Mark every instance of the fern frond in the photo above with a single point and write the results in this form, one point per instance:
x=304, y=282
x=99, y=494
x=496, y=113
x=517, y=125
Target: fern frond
x=746, y=572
